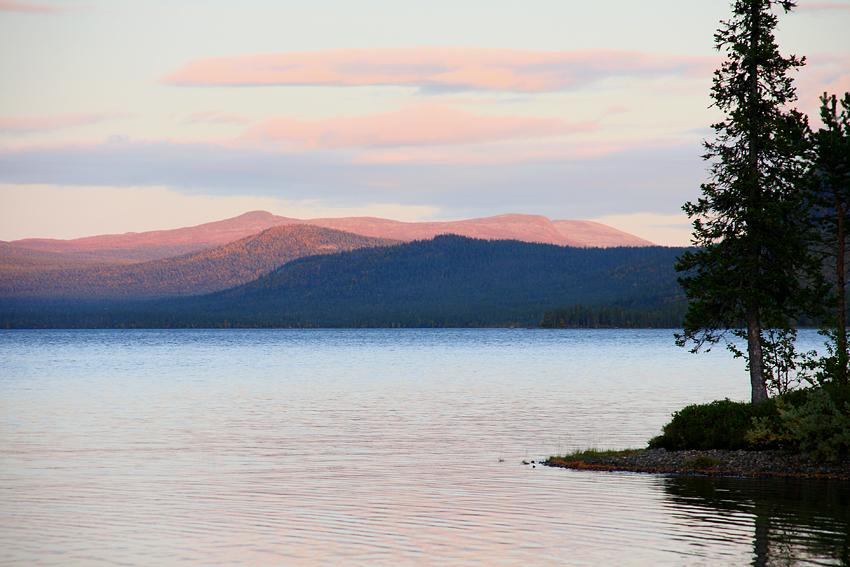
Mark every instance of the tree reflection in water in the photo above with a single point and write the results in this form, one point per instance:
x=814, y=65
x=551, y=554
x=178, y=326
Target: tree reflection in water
x=796, y=521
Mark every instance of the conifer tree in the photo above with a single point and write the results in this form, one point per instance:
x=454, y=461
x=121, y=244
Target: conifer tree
x=750, y=230
x=829, y=181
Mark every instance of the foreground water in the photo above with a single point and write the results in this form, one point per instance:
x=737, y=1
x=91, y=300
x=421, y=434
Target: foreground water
x=374, y=447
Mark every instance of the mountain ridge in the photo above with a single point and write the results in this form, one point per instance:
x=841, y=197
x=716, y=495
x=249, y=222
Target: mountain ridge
x=194, y=273
x=153, y=245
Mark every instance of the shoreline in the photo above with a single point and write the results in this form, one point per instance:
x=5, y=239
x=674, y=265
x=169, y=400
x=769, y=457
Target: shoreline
x=741, y=463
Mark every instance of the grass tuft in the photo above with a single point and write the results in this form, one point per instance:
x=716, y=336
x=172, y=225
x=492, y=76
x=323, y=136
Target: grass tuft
x=594, y=453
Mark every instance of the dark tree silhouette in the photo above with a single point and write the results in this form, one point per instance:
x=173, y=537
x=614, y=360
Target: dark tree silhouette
x=749, y=225
x=829, y=182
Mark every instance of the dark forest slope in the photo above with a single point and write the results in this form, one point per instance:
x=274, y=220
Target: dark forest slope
x=450, y=280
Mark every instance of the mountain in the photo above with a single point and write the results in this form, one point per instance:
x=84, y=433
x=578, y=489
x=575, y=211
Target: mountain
x=140, y=247
x=526, y=228
x=43, y=275
x=9, y=250
x=596, y=234
x=447, y=281
x=154, y=245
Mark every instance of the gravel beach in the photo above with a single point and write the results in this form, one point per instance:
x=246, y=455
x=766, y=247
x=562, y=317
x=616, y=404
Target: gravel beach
x=713, y=462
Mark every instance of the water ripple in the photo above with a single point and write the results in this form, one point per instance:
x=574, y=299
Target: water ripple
x=370, y=448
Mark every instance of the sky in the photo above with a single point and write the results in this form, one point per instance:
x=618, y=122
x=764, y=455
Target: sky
x=120, y=115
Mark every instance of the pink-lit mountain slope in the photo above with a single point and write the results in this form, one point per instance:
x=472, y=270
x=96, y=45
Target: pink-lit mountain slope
x=157, y=244
x=203, y=271
x=597, y=235
x=527, y=228
x=139, y=247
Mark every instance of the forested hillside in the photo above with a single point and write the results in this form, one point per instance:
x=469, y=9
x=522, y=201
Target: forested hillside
x=37, y=277
x=447, y=281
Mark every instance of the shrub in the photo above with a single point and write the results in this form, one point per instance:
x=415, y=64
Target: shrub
x=814, y=421
x=818, y=428
x=769, y=432
x=722, y=424
x=814, y=426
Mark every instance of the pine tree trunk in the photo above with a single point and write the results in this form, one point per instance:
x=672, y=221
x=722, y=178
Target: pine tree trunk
x=754, y=350
x=757, y=380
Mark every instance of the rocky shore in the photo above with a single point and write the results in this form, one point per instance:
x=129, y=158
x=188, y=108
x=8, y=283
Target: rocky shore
x=713, y=463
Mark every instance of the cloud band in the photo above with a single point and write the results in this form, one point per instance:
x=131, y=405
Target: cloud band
x=436, y=68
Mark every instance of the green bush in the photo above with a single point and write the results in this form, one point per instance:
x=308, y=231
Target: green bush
x=810, y=421
x=819, y=428
x=769, y=432
x=722, y=424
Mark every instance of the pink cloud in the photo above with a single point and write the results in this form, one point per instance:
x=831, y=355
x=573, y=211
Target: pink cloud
x=821, y=6
x=824, y=72
x=21, y=7
x=421, y=125
x=217, y=118
x=27, y=124
x=437, y=68
x=513, y=152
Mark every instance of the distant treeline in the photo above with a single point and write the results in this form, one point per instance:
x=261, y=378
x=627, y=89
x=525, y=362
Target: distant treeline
x=608, y=316
x=130, y=319
x=574, y=317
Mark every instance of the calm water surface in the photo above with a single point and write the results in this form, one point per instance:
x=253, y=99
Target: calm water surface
x=374, y=447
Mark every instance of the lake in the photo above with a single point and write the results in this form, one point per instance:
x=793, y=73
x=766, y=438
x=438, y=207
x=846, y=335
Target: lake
x=376, y=447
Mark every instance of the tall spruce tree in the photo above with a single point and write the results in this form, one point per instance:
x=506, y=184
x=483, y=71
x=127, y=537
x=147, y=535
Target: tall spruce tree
x=829, y=182
x=749, y=226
